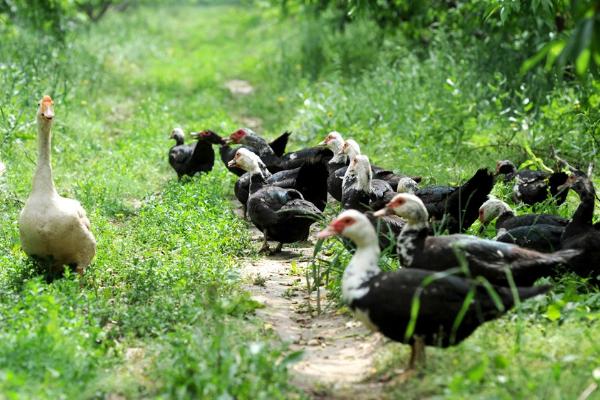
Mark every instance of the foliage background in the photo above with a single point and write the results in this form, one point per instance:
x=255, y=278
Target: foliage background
x=436, y=88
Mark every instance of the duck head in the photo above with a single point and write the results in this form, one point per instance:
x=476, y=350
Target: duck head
x=45, y=114
x=491, y=209
x=351, y=149
x=178, y=135
x=351, y=224
x=334, y=142
x=505, y=167
x=240, y=136
x=407, y=206
x=209, y=136
x=246, y=160
x=407, y=185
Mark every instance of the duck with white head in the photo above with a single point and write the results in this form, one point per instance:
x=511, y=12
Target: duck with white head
x=385, y=301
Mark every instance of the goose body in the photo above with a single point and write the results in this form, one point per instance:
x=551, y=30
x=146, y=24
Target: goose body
x=487, y=258
x=52, y=228
x=530, y=186
x=383, y=301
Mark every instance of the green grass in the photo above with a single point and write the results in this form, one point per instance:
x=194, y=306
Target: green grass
x=160, y=312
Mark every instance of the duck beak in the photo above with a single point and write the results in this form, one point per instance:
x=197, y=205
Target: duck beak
x=327, y=232
x=232, y=164
x=194, y=134
x=383, y=212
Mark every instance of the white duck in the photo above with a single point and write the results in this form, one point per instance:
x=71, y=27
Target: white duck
x=53, y=229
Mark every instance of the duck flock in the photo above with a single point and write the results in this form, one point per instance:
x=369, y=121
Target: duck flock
x=448, y=284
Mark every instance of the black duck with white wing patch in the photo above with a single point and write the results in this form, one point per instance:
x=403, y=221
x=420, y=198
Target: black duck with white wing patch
x=449, y=308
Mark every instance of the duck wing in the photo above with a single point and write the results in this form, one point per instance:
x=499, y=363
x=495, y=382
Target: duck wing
x=334, y=183
x=279, y=144
x=203, y=157
x=299, y=208
x=540, y=237
x=381, y=193
x=312, y=155
x=391, y=177
x=462, y=206
x=311, y=181
x=439, y=301
x=490, y=259
x=264, y=203
x=532, y=219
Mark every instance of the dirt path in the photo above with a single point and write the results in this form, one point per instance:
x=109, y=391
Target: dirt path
x=339, y=353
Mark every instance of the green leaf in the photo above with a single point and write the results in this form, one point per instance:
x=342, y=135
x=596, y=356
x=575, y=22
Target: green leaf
x=534, y=60
x=318, y=247
x=292, y=358
x=583, y=60
x=553, y=312
x=500, y=361
x=477, y=372
x=554, y=50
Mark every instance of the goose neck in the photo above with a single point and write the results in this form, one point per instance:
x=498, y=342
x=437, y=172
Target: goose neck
x=43, y=181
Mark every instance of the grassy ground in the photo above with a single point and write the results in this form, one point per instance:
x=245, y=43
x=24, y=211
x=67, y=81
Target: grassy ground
x=160, y=312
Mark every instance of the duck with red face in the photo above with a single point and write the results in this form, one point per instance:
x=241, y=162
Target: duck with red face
x=190, y=159
x=384, y=301
x=277, y=161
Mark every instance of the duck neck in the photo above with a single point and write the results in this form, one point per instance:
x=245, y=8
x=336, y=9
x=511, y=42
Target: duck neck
x=361, y=268
x=411, y=241
x=263, y=170
x=585, y=211
x=42, y=180
x=257, y=181
x=504, y=216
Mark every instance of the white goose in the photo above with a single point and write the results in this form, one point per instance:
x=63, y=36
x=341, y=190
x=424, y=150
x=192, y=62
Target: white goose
x=53, y=229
